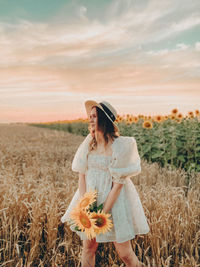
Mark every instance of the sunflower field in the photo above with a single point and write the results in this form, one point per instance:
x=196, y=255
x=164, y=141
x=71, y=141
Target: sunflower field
x=172, y=140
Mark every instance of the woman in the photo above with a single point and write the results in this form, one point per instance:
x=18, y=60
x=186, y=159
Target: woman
x=105, y=161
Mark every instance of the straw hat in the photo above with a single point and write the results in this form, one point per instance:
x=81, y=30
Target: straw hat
x=106, y=107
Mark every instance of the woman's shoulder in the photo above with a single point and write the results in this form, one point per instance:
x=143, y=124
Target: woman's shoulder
x=123, y=139
x=87, y=139
x=123, y=143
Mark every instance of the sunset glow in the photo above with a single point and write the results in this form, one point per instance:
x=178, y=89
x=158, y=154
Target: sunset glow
x=141, y=56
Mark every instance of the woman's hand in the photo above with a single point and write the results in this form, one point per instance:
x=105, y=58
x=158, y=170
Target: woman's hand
x=112, y=197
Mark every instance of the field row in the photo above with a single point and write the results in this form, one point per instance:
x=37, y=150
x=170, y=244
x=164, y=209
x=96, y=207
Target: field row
x=167, y=143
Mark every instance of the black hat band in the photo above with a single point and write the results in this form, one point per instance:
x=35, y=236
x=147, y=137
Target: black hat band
x=107, y=110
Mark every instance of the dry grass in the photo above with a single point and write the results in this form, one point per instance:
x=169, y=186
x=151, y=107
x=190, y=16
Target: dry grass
x=36, y=185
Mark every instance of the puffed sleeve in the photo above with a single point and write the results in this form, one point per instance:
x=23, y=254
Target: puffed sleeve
x=79, y=163
x=126, y=160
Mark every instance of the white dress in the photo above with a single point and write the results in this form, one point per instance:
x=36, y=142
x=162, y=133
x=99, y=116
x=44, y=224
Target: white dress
x=100, y=171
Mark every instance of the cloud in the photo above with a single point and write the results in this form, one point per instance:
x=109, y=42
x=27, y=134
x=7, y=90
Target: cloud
x=83, y=12
x=124, y=29
x=126, y=52
x=186, y=23
x=181, y=47
x=158, y=53
x=197, y=46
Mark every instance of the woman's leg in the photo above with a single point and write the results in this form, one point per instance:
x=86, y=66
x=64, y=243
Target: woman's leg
x=127, y=254
x=88, y=253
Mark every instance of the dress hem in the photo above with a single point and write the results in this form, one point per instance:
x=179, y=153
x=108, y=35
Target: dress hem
x=114, y=240
x=129, y=238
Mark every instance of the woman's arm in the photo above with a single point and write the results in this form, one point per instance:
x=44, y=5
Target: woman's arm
x=112, y=197
x=81, y=184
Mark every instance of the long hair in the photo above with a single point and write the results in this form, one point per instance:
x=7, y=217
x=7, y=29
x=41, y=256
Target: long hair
x=106, y=127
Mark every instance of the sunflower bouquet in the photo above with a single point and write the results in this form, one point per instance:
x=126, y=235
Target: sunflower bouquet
x=87, y=217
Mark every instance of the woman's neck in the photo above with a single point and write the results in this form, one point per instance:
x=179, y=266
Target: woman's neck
x=100, y=138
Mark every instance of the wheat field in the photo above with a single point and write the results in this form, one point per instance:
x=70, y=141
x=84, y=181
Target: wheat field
x=36, y=185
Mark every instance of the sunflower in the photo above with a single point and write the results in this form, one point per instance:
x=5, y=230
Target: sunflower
x=173, y=117
x=129, y=120
x=178, y=120
x=179, y=116
x=102, y=222
x=191, y=114
x=84, y=222
x=135, y=119
x=174, y=111
x=158, y=118
x=197, y=112
x=88, y=199
x=119, y=119
x=147, y=124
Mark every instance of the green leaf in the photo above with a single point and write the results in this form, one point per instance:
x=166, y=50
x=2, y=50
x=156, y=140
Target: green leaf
x=146, y=148
x=179, y=144
x=173, y=153
x=198, y=168
x=93, y=207
x=157, y=154
x=100, y=207
x=77, y=229
x=181, y=158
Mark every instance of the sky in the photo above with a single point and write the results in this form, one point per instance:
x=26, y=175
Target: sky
x=141, y=56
